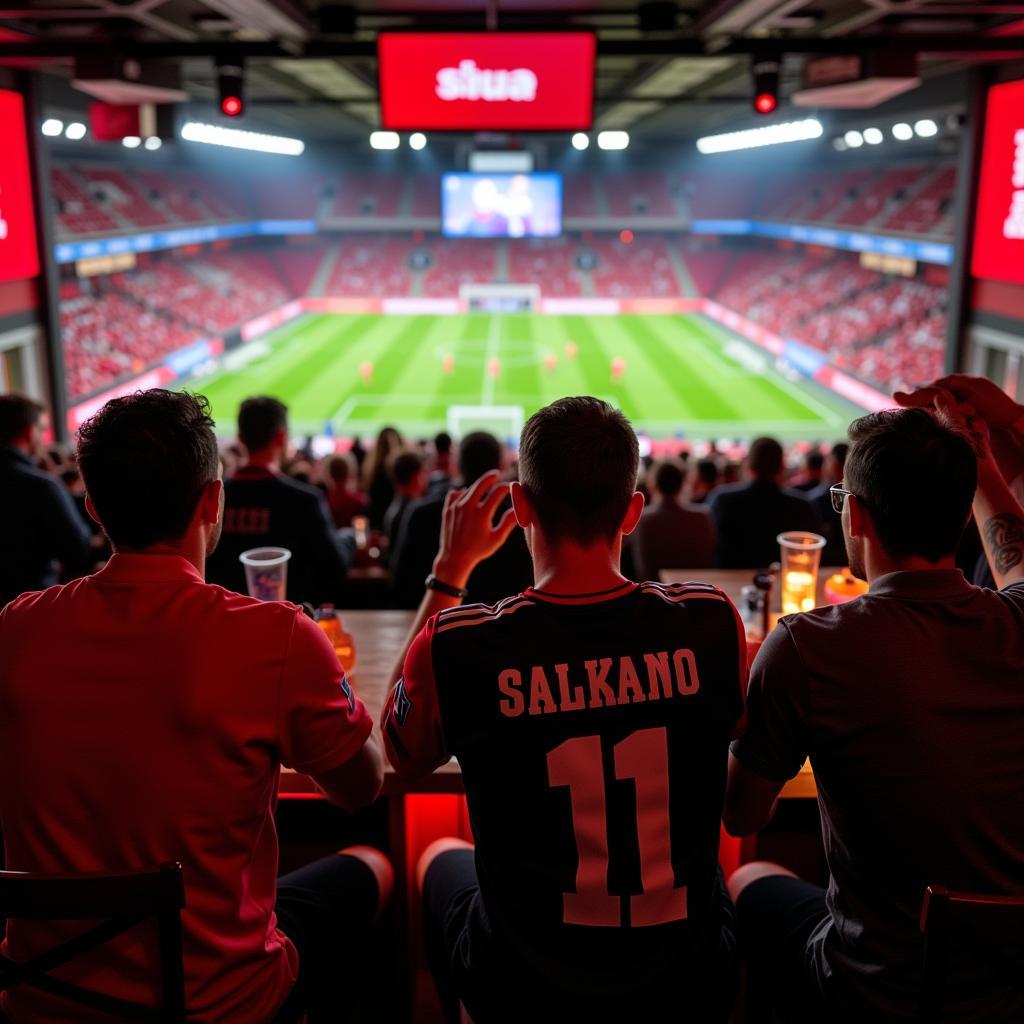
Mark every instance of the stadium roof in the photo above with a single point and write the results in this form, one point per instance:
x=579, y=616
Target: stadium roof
x=664, y=69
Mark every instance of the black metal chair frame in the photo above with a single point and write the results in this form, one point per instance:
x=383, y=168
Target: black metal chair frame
x=120, y=902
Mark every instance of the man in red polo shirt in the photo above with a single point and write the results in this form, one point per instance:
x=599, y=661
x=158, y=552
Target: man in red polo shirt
x=144, y=717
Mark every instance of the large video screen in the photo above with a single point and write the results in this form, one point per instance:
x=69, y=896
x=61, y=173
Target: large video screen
x=486, y=81
x=19, y=257
x=501, y=205
x=999, y=223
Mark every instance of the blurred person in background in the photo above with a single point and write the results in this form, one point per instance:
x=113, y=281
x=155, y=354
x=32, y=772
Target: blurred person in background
x=265, y=508
x=506, y=572
x=704, y=480
x=408, y=473
x=748, y=517
x=813, y=473
x=376, y=482
x=443, y=467
x=41, y=531
x=834, y=552
x=671, y=534
x=343, y=503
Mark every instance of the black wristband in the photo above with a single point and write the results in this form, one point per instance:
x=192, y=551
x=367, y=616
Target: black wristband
x=433, y=583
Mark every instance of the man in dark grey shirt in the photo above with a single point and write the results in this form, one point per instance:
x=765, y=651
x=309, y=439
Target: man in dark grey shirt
x=910, y=704
x=39, y=524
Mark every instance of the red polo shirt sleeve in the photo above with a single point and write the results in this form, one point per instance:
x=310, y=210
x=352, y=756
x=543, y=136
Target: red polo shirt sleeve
x=323, y=723
x=411, y=720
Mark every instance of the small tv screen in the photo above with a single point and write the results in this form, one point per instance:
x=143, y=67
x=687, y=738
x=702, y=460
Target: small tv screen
x=501, y=205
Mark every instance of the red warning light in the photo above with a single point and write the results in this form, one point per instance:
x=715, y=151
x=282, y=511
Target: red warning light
x=765, y=103
x=626, y=236
x=231, y=106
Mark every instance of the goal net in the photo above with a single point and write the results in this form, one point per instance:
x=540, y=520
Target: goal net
x=503, y=421
x=500, y=298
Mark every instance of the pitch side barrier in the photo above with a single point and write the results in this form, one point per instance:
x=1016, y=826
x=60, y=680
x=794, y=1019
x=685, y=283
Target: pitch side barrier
x=804, y=360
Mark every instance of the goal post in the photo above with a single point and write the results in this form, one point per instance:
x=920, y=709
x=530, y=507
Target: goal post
x=505, y=422
x=500, y=298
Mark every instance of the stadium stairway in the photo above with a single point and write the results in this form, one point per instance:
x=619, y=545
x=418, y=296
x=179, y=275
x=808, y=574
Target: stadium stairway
x=323, y=274
x=686, y=283
x=501, y=262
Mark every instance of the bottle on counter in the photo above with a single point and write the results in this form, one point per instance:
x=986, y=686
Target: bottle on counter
x=328, y=619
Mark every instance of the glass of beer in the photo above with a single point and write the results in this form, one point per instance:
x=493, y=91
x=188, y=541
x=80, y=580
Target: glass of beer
x=266, y=572
x=801, y=556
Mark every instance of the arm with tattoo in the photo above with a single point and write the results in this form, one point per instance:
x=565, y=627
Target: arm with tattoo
x=1001, y=524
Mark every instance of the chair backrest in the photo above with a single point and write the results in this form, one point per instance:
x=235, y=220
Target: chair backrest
x=119, y=902
x=991, y=922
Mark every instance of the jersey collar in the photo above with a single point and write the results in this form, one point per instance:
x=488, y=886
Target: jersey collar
x=148, y=569
x=624, y=588
x=922, y=584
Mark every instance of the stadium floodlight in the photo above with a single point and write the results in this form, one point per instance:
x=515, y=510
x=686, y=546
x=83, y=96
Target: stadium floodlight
x=52, y=127
x=926, y=128
x=612, y=140
x=384, y=140
x=235, y=138
x=580, y=141
x=769, y=135
x=853, y=139
x=839, y=145
x=131, y=142
x=153, y=143
x=902, y=132
x=417, y=141
x=75, y=131
x=873, y=136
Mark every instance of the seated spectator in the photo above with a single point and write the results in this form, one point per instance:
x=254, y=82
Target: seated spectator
x=508, y=571
x=343, y=503
x=813, y=473
x=41, y=531
x=586, y=898
x=705, y=480
x=441, y=472
x=172, y=705
x=265, y=508
x=749, y=517
x=834, y=552
x=671, y=534
x=909, y=703
x=409, y=479
x=376, y=482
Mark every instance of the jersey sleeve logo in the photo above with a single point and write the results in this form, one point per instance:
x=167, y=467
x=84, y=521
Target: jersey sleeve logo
x=349, y=695
x=402, y=705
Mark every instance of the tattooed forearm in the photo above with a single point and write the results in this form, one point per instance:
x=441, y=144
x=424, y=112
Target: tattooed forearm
x=1004, y=538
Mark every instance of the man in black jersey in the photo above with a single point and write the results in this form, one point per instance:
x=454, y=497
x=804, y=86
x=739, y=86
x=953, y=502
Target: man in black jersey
x=591, y=717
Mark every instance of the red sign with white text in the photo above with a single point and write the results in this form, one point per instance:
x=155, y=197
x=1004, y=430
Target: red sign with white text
x=515, y=81
x=19, y=257
x=999, y=223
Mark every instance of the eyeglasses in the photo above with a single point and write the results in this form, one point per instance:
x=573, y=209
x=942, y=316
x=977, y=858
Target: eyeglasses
x=838, y=495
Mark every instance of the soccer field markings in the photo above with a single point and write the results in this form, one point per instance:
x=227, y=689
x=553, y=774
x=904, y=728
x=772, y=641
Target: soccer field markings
x=490, y=380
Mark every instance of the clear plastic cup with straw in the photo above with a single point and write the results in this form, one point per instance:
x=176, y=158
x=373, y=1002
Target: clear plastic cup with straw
x=801, y=558
x=266, y=572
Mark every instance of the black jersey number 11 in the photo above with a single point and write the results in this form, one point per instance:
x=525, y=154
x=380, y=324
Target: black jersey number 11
x=643, y=758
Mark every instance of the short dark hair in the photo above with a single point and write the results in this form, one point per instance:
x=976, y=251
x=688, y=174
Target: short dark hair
x=339, y=468
x=442, y=442
x=669, y=475
x=765, y=458
x=259, y=419
x=916, y=478
x=838, y=454
x=145, y=460
x=814, y=460
x=404, y=465
x=479, y=453
x=17, y=414
x=578, y=461
x=707, y=471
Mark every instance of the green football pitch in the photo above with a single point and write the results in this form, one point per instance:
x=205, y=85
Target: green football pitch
x=680, y=376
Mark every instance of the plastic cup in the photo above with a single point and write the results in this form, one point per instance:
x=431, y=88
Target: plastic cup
x=801, y=558
x=361, y=526
x=266, y=572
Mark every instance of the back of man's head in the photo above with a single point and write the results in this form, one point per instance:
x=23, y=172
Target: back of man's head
x=479, y=453
x=669, y=475
x=578, y=461
x=765, y=459
x=339, y=468
x=260, y=420
x=404, y=466
x=145, y=460
x=837, y=459
x=443, y=443
x=916, y=479
x=814, y=461
x=17, y=415
x=707, y=472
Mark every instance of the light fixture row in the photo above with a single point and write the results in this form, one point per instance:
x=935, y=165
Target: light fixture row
x=902, y=131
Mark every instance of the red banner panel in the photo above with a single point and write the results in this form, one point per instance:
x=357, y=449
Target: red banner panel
x=19, y=257
x=514, y=81
x=999, y=223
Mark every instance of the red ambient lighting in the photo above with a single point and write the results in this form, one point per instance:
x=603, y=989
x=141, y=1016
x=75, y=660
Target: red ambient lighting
x=19, y=257
x=501, y=81
x=999, y=223
x=765, y=103
x=231, y=106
